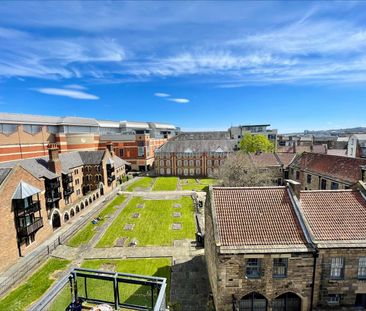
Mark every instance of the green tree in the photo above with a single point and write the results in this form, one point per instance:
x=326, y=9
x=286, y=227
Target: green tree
x=254, y=143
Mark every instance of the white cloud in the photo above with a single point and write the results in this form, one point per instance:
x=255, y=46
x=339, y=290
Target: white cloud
x=75, y=87
x=161, y=94
x=179, y=100
x=67, y=93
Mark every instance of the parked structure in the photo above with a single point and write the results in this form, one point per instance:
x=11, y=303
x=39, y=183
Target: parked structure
x=39, y=195
x=27, y=136
x=321, y=171
x=279, y=248
x=357, y=146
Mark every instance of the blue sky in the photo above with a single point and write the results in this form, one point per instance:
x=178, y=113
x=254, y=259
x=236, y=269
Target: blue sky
x=200, y=65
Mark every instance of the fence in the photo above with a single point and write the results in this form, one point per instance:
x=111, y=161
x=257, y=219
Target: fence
x=29, y=263
x=130, y=291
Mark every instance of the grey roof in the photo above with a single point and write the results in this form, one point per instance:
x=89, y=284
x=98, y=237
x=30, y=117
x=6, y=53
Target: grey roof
x=221, y=145
x=360, y=137
x=118, y=162
x=218, y=135
x=46, y=120
x=3, y=173
x=70, y=160
x=24, y=190
x=134, y=125
x=162, y=126
x=92, y=157
x=37, y=167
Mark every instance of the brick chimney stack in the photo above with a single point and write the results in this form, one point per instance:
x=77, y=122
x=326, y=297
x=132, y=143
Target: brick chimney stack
x=109, y=146
x=54, y=163
x=295, y=187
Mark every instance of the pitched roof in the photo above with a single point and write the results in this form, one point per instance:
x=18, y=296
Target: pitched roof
x=226, y=145
x=255, y=216
x=212, y=135
x=285, y=158
x=24, y=190
x=264, y=159
x=3, y=173
x=337, y=167
x=337, y=152
x=334, y=215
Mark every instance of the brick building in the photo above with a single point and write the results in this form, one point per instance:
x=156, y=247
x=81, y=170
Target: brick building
x=321, y=171
x=39, y=195
x=193, y=154
x=27, y=136
x=279, y=248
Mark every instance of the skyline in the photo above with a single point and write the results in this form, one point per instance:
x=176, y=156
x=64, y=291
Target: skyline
x=199, y=65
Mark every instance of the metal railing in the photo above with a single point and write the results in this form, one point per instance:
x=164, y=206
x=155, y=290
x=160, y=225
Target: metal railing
x=27, y=230
x=120, y=290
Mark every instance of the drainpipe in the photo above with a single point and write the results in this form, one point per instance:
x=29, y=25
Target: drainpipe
x=315, y=255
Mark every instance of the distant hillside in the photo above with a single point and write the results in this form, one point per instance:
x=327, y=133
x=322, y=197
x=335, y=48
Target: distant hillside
x=336, y=132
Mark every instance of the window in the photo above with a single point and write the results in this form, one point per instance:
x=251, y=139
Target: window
x=140, y=151
x=337, y=268
x=333, y=299
x=77, y=181
x=191, y=162
x=280, y=267
x=253, y=268
x=334, y=186
x=198, y=163
x=362, y=268
x=309, y=179
x=179, y=171
x=209, y=162
x=185, y=163
x=8, y=128
x=216, y=162
x=297, y=175
x=179, y=163
x=198, y=171
x=161, y=162
x=32, y=129
x=162, y=171
x=191, y=171
x=323, y=185
x=76, y=171
x=121, y=152
x=78, y=192
x=167, y=162
x=185, y=172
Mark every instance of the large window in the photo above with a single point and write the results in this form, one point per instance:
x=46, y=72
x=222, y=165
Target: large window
x=8, y=128
x=140, y=151
x=337, y=268
x=334, y=186
x=253, y=268
x=309, y=179
x=32, y=129
x=362, y=268
x=280, y=267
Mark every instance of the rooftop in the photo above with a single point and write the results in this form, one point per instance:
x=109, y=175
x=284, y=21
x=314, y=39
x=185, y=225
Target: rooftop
x=222, y=145
x=256, y=216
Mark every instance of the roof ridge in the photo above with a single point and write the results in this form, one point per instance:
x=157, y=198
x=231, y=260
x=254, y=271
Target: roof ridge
x=250, y=187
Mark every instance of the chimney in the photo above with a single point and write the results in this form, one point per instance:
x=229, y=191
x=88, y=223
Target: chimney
x=54, y=163
x=109, y=146
x=295, y=187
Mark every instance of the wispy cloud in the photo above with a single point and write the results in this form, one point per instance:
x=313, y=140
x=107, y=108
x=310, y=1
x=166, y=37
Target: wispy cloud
x=179, y=100
x=161, y=94
x=67, y=93
x=75, y=87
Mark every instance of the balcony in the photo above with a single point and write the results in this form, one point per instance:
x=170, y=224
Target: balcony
x=32, y=208
x=68, y=191
x=66, y=179
x=53, y=196
x=52, y=183
x=28, y=230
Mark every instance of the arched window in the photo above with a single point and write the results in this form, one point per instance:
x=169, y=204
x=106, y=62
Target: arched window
x=72, y=213
x=287, y=302
x=66, y=217
x=77, y=209
x=253, y=302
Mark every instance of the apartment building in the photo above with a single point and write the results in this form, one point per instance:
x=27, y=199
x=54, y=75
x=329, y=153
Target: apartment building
x=322, y=171
x=283, y=249
x=40, y=195
x=357, y=146
x=27, y=136
x=238, y=132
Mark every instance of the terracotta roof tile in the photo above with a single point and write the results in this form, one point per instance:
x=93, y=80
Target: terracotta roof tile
x=256, y=216
x=335, y=215
x=338, y=167
x=264, y=159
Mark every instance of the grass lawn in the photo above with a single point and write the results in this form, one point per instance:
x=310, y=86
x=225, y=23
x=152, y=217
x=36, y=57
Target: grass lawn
x=165, y=184
x=197, y=186
x=154, y=225
x=143, y=184
x=129, y=293
x=87, y=233
x=34, y=287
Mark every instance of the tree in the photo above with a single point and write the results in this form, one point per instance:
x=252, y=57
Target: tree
x=256, y=143
x=239, y=171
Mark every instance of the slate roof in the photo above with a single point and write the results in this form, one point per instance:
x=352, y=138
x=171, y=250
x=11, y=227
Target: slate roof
x=336, y=167
x=24, y=190
x=255, y=216
x=226, y=145
x=334, y=215
x=38, y=167
x=218, y=135
x=3, y=173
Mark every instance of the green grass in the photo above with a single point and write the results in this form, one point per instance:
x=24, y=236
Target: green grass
x=154, y=227
x=143, y=183
x=197, y=186
x=130, y=293
x=34, y=287
x=87, y=233
x=165, y=184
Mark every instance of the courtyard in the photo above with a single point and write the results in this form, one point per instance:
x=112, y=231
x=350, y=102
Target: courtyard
x=148, y=229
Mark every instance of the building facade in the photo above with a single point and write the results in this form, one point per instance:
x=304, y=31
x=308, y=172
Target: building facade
x=357, y=146
x=280, y=248
x=323, y=172
x=27, y=136
x=40, y=195
x=238, y=132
